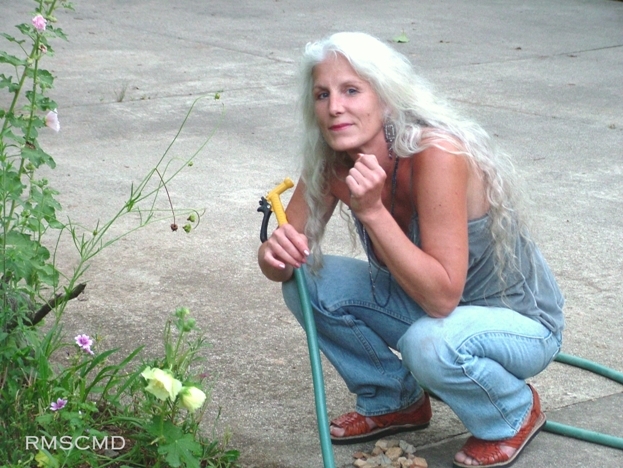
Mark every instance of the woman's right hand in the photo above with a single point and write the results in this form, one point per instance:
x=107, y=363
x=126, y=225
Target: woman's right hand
x=284, y=250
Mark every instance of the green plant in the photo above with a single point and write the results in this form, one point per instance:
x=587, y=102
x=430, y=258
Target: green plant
x=175, y=401
x=95, y=395
x=28, y=204
x=153, y=413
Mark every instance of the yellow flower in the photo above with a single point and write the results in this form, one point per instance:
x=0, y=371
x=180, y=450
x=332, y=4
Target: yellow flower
x=161, y=383
x=192, y=398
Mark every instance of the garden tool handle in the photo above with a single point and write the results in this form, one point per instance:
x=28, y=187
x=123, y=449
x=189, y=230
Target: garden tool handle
x=272, y=202
x=275, y=201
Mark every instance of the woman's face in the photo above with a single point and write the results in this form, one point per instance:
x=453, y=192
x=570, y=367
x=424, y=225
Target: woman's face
x=348, y=110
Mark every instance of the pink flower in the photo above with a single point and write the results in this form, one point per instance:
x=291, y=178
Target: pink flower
x=39, y=23
x=51, y=120
x=84, y=342
x=58, y=404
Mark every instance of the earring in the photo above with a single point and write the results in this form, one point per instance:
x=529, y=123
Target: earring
x=389, y=129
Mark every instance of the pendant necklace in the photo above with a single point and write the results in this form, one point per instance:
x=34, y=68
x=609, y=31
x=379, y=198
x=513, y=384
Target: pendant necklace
x=368, y=244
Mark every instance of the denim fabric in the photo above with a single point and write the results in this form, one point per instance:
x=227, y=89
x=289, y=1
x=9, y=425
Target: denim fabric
x=528, y=288
x=475, y=359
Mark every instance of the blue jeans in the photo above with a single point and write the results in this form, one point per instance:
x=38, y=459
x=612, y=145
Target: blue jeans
x=475, y=360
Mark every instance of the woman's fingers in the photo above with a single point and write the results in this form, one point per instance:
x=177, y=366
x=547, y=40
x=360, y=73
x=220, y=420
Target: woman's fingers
x=365, y=181
x=286, y=247
x=366, y=174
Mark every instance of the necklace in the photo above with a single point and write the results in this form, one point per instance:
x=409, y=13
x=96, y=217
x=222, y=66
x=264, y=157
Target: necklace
x=368, y=244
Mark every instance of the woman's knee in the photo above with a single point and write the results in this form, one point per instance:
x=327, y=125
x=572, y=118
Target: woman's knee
x=425, y=350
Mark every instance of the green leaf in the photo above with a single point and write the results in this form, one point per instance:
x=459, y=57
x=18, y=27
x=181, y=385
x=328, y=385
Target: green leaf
x=25, y=29
x=38, y=157
x=182, y=450
x=128, y=378
x=401, y=38
x=11, y=184
x=47, y=274
x=45, y=79
x=153, y=427
x=98, y=359
x=18, y=239
x=46, y=104
x=57, y=31
x=46, y=204
x=19, y=121
x=11, y=59
x=9, y=135
x=44, y=419
x=25, y=258
x=12, y=39
x=5, y=81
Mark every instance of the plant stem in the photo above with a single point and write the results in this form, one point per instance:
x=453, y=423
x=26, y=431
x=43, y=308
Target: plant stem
x=33, y=100
x=167, y=192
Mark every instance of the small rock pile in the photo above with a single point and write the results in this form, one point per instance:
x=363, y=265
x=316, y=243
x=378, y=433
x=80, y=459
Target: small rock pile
x=389, y=453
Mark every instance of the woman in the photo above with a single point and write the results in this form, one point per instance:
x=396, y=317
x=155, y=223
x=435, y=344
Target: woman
x=453, y=281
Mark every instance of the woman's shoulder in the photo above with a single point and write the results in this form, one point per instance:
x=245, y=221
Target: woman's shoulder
x=444, y=155
x=434, y=137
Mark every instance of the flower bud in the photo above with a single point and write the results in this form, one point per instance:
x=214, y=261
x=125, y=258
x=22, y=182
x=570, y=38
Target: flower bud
x=192, y=398
x=189, y=324
x=182, y=312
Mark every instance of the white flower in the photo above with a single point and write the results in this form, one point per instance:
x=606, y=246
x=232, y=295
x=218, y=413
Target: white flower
x=51, y=120
x=192, y=398
x=161, y=383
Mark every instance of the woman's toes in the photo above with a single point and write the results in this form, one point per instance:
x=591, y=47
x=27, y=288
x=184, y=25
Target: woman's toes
x=462, y=458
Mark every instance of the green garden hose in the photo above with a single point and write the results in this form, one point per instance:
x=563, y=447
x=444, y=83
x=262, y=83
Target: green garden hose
x=583, y=434
x=590, y=366
x=316, y=367
x=272, y=203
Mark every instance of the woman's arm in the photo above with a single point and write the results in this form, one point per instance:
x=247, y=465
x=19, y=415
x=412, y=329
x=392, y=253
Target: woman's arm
x=433, y=275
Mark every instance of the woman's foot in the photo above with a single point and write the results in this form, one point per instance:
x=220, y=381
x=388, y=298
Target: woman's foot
x=502, y=453
x=354, y=428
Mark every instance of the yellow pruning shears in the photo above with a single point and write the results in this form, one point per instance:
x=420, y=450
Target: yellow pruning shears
x=272, y=203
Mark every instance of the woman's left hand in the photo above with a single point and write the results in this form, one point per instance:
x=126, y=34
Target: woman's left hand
x=365, y=181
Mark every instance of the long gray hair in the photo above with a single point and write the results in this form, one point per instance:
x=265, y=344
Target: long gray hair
x=421, y=120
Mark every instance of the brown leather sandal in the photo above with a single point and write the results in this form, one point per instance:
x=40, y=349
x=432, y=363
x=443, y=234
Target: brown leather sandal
x=356, y=427
x=488, y=453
